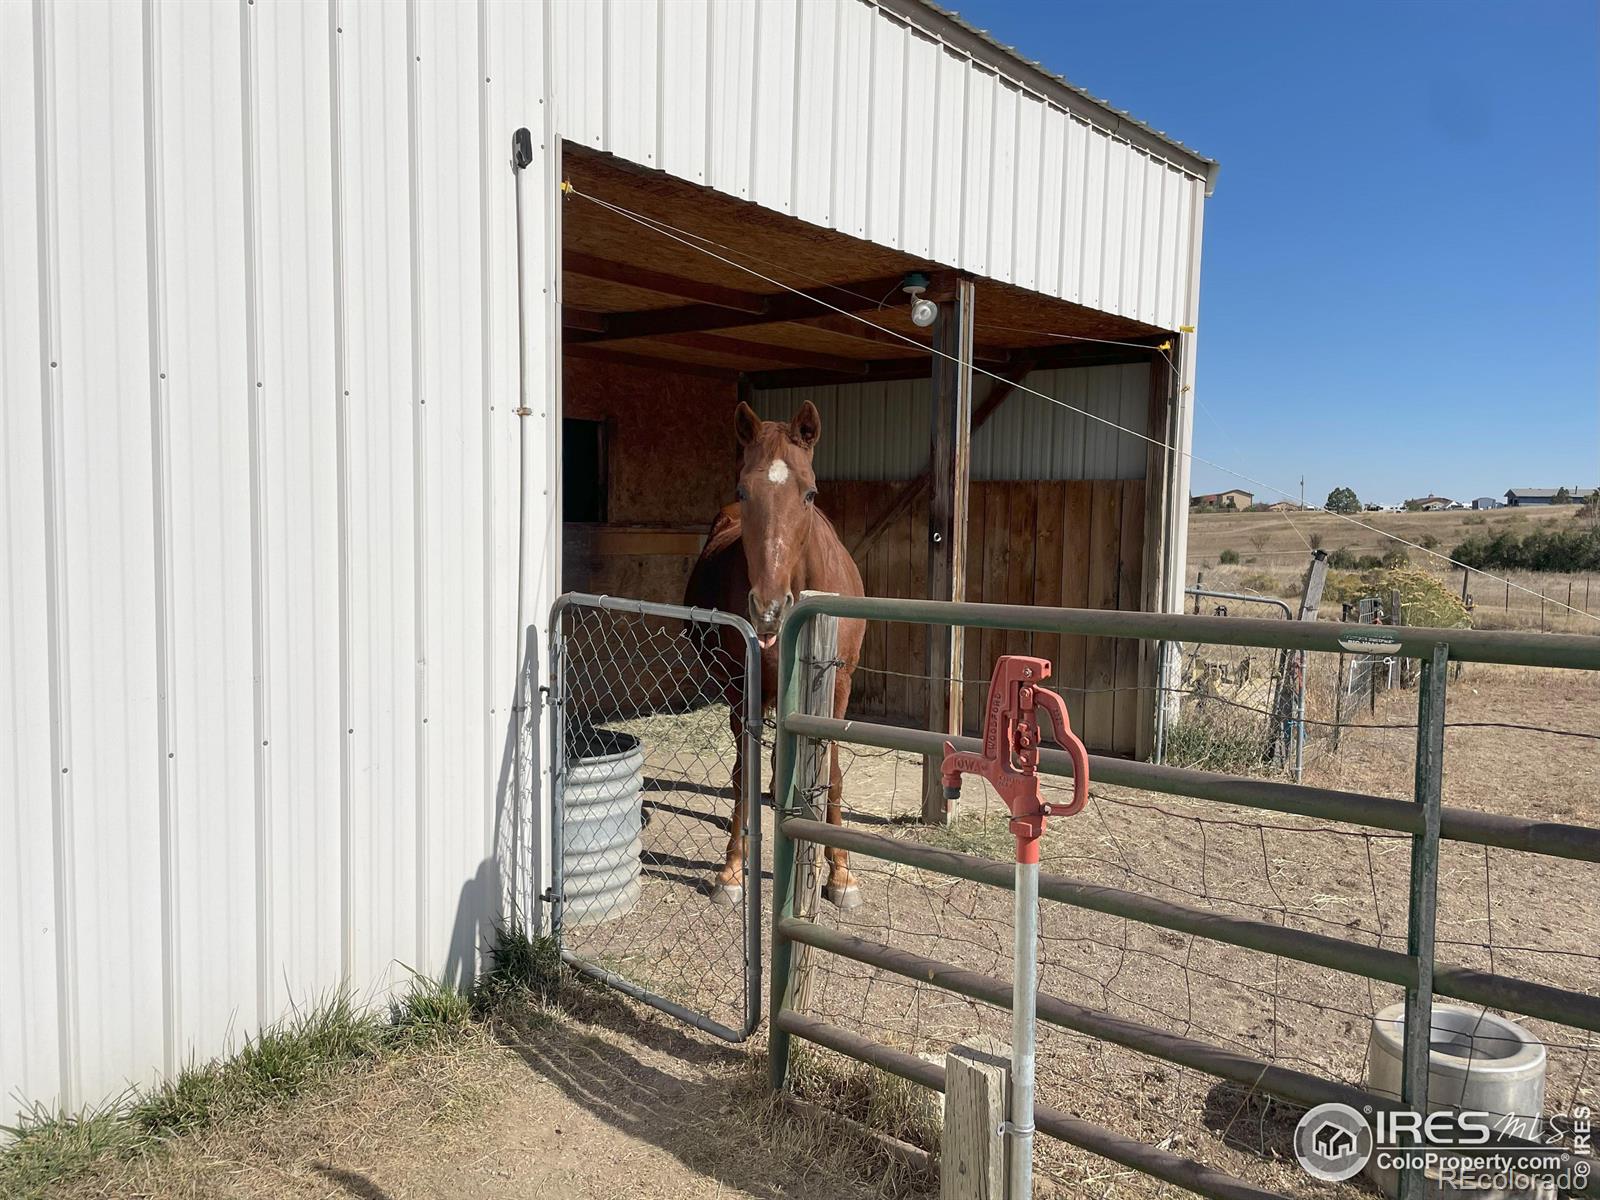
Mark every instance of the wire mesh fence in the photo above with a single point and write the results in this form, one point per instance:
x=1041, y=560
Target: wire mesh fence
x=656, y=743
x=1520, y=741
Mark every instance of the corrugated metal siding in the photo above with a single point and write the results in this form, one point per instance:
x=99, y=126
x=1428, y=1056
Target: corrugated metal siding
x=258, y=352
x=847, y=116
x=874, y=431
x=259, y=465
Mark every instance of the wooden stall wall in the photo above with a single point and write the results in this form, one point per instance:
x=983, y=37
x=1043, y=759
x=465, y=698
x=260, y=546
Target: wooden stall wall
x=1077, y=544
x=670, y=466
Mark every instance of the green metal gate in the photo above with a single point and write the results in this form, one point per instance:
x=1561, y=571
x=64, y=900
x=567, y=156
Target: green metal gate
x=1418, y=970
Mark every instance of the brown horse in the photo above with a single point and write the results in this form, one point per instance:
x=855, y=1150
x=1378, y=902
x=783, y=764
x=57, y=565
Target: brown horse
x=761, y=554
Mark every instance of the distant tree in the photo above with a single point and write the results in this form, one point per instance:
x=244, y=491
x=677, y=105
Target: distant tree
x=1316, y=541
x=1231, y=504
x=1428, y=542
x=1342, y=559
x=1260, y=540
x=1413, y=506
x=1228, y=557
x=1343, y=500
x=1562, y=496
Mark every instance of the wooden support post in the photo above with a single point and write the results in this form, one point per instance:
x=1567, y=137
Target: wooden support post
x=950, y=451
x=817, y=665
x=972, y=1152
x=1157, y=495
x=999, y=389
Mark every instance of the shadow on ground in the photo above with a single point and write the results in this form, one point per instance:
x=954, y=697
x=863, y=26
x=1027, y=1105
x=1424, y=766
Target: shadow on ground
x=662, y=1084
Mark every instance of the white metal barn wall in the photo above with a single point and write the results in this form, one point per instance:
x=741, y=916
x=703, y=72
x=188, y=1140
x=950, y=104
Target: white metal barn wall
x=258, y=467
x=259, y=442
x=880, y=430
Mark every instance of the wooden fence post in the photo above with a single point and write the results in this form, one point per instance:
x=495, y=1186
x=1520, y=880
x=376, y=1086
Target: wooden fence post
x=972, y=1152
x=817, y=661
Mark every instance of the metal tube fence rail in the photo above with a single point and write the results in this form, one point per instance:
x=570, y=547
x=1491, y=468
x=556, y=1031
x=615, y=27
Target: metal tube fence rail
x=1425, y=819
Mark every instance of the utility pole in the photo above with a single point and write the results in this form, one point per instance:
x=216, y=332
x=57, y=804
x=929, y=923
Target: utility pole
x=1302, y=493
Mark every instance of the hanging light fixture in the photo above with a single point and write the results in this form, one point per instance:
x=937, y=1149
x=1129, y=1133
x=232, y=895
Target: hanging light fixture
x=923, y=311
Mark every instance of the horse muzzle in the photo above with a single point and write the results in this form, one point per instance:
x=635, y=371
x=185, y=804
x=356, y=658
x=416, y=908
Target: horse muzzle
x=766, y=616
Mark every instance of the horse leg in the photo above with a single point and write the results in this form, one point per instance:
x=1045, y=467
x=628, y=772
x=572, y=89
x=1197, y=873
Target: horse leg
x=728, y=888
x=841, y=887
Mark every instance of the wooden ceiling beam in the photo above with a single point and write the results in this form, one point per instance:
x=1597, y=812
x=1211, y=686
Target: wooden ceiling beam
x=1075, y=355
x=847, y=327
x=857, y=296
x=582, y=319
x=591, y=266
x=794, y=355
x=650, y=362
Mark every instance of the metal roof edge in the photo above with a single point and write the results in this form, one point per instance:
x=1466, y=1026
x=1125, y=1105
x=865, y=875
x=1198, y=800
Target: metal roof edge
x=965, y=38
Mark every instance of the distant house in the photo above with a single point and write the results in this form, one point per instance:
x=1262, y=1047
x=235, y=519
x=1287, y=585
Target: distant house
x=1486, y=502
x=1283, y=506
x=1429, y=504
x=1236, y=499
x=1520, y=497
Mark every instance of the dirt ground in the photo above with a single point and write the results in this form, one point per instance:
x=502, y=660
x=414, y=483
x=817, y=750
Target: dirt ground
x=606, y=1102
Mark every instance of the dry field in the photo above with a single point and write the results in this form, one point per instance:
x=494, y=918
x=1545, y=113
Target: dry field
x=1274, y=548
x=1285, y=534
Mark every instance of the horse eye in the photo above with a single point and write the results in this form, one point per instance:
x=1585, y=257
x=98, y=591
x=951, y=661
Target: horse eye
x=739, y=493
x=811, y=496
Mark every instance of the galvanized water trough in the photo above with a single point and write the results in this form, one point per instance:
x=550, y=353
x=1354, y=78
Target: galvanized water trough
x=600, y=832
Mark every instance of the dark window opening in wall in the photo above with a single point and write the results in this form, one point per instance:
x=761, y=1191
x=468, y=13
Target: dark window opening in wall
x=583, y=470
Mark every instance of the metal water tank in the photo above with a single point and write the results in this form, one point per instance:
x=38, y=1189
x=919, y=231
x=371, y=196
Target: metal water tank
x=600, y=827
x=1476, y=1061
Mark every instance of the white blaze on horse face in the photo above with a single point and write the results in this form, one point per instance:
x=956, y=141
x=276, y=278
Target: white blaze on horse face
x=778, y=472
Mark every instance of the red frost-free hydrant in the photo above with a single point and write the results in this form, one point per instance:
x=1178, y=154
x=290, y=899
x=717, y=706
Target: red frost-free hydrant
x=1010, y=758
x=1010, y=762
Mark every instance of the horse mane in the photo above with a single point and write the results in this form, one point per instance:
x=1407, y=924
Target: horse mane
x=703, y=590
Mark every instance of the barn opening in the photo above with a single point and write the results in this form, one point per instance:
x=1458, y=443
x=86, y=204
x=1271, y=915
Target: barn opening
x=1065, y=500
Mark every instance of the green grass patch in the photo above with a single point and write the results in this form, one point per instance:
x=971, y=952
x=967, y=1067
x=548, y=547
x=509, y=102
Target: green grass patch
x=1214, y=744
x=281, y=1062
x=521, y=967
x=48, y=1147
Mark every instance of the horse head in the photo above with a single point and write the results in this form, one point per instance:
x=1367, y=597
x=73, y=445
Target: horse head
x=777, y=499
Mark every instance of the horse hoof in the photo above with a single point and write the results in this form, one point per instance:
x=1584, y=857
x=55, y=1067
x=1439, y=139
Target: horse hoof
x=726, y=893
x=845, y=898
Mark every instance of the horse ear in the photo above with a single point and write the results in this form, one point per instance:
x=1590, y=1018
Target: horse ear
x=806, y=427
x=746, y=423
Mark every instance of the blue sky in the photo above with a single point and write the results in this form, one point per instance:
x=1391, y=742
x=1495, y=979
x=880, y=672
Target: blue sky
x=1401, y=282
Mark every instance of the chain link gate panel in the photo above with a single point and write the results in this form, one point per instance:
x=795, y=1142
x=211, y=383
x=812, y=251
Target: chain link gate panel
x=652, y=703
